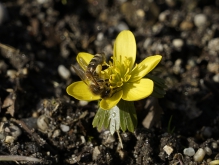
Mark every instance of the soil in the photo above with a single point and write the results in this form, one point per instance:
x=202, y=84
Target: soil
x=39, y=42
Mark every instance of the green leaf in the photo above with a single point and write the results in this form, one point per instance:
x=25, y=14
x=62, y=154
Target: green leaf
x=158, y=81
x=101, y=119
x=114, y=120
x=128, y=117
x=108, y=119
x=159, y=86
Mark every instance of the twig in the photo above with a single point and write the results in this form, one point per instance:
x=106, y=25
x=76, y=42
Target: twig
x=120, y=140
x=18, y=158
x=35, y=136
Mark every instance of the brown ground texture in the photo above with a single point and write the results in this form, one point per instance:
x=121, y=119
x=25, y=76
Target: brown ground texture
x=39, y=40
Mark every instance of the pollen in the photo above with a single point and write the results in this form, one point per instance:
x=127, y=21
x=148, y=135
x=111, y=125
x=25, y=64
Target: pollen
x=119, y=74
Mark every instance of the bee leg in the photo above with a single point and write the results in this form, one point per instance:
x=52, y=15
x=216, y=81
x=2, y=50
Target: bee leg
x=105, y=64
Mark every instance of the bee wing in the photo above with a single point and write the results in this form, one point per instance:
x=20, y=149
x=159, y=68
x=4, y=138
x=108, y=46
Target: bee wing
x=81, y=73
x=83, y=64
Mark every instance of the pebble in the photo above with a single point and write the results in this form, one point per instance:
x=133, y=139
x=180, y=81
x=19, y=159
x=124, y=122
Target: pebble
x=83, y=140
x=42, y=1
x=83, y=103
x=186, y=25
x=140, y=13
x=200, y=20
x=43, y=123
x=214, y=145
x=11, y=73
x=214, y=162
x=216, y=78
x=171, y=3
x=157, y=28
x=208, y=151
x=63, y=72
x=189, y=151
x=164, y=15
x=64, y=128
x=96, y=152
x=168, y=149
x=147, y=43
x=100, y=36
x=56, y=133
x=9, y=139
x=15, y=131
x=122, y=26
x=199, y=155
x=213, y=45
x=177, y=68
x=178, y=43
x=213, y=67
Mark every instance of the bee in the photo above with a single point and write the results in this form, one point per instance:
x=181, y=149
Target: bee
x=90, y=74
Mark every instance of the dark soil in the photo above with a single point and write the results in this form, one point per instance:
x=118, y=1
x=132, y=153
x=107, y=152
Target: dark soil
x=39, y=42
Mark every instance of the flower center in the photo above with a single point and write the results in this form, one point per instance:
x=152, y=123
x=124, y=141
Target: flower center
x=119, y=73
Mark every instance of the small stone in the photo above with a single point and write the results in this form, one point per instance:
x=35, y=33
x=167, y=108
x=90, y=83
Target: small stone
x=216, y=78
x=178, y=43
x=122, y=26
x=42, y=1
x=83, y=103
x=43, y=123
x=164, y=15
x=189, y=151
x=63, y=72
x=213, y=67
x=82, y=140
x=214, y=162
x=56, y=133
x=100, y=36
x=96, y=152
x=208, y=151
x=15, y=131
x=199, y=155
x=11, y=73
x=64, y=128
x=177, y=68
x=140, y=13
x=186, y=25
x=157, y=28
x=9, y=139
x=214, y=145
x=147, y=43
x=213, y=45
x=168, y=149
x=200, y=20
x=108, y=137
x=170, y=3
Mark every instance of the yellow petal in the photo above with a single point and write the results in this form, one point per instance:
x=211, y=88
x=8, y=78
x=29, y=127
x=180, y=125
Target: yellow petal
x=125, y=47
x=81, y=91
x=138, y=90
x=84, y=59
x=144, y=67
x=110, y=102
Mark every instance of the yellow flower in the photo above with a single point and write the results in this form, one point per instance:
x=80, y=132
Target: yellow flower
x=125, y=78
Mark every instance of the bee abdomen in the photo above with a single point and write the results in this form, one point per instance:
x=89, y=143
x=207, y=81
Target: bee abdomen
x=98, y=59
